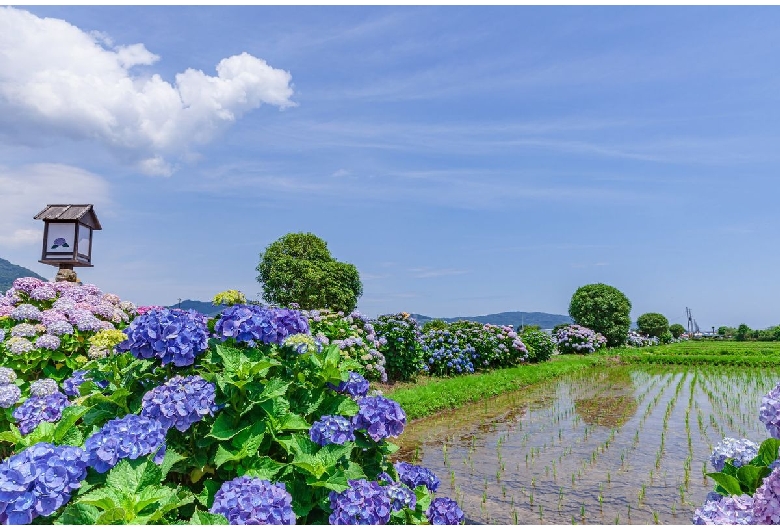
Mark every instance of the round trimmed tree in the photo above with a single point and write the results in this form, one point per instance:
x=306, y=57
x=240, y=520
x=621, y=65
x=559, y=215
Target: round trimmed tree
x=652, y=324
x=676, y=330
x=604, y=309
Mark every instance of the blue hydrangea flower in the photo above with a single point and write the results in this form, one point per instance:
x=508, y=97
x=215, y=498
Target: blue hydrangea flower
x=380, y=417
x=248, y=500
x=129, y=437
x=24, y=330
x=363, y=502
x=9, y=395
x=38, y=481
x=40, y=408
x=414, y=476
x=766, y=500
x=769, y=412
x=7, y=376
x=172, y=336
x=444, y=510
x=48, y=342
x=356, y=386
x=400, y=497
x=253, y=324
x=180, y=402
x=727, y=510
x=43, y=387
x=71, y=385
x=332, y=430
x=742, y=451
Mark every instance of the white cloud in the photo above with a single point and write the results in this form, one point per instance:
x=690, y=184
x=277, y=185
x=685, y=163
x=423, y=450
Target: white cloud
x=57, y=79
x=26, y=190
x=427, y=272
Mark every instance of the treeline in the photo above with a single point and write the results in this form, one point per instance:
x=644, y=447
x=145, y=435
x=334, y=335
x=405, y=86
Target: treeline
x=744, y=333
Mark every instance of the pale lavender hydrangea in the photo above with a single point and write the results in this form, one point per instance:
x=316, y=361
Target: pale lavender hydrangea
x=2, y=334
x=766, y=501
x=742, y=451
x=49, y=316
x=83, y=320
x=728, y=510
x=9, y=395
x=27, y=285
x=43, y=387
x=769, y=412
x=48, y=342
x=400, y=496
x=23, y=330
x=26, y=312
x=44, y=292
x=7, y=376
x=19, y=345
x=59, y=328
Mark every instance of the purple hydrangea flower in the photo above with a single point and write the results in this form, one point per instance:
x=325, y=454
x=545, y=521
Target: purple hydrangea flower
x=248, y=500
x=355, y=386
x=43, y=387
x=26, y=312
x=129, y=437
x=742, y=451
x=40, y=408
x=444, y=510
x=2, y=334
x=766, y=500
x=380, y=417
x=769, y=412
x=254, y=324
x=48, y=316
x=414, y=476
x=363, y=502
x=180, y=402
x=7, y=376
x=48, y=342
x=27, y=285
x=9, y=395
x=84, y=320
x=38, y=481
x=44, y=292
x=332, y=430
x=59, y=328
x=71, y=385
x=400, y=497
x=172, y=336
x=727, y=510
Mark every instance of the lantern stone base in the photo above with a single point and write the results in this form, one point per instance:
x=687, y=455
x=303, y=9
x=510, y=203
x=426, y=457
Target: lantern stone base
x=66, y=274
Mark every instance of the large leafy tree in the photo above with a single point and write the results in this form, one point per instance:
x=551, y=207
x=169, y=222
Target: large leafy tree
x=652, y=324
x=603, y=309
x=676, y=330
x=298, y=268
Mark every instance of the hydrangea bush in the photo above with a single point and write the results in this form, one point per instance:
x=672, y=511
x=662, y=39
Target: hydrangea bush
x=448, y=352
x=355, y=337
x=539, y=343
x=244, y=419
x=637, y=340
x=399, y=336
x=578, y=339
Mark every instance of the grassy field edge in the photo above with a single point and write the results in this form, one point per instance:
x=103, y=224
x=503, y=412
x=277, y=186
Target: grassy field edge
x=435, y=395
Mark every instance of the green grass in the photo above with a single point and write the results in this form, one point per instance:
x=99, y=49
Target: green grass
x=729, y=353
x=437, y=394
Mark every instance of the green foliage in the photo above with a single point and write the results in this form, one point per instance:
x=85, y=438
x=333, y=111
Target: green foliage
x=436, y=323
x=298, y=269
x=604, y=309
x=229, y=298
x=748, y=478
x=400, y=346
x=540, y=345
x=743, y=333
x=677, y=330
x=652, y=324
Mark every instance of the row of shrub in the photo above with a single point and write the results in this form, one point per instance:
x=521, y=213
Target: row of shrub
x=116, y=414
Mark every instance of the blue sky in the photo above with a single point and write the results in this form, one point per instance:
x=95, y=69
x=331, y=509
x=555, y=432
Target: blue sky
x=467, y=160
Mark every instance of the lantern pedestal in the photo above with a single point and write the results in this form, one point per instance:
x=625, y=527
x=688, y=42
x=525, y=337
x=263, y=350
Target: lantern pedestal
x=66, y=274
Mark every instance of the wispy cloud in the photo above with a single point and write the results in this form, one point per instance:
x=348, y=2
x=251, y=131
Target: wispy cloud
x=427, y=272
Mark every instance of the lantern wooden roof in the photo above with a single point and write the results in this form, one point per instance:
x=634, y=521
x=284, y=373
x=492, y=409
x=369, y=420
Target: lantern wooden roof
x=83, y=213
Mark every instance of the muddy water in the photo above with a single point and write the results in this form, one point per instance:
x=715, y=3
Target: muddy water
x=622, y=445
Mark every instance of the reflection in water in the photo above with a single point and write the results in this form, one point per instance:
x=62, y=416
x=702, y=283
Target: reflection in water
x=619, y=445
x=613, y=404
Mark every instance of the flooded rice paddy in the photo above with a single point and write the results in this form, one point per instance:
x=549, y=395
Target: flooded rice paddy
x=622, y=445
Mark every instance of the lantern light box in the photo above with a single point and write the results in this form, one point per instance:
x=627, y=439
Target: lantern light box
x=67, y=234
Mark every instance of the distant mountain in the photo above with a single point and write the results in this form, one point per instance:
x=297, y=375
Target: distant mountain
x=207, y=308
x=9, y=272
x=510, y=318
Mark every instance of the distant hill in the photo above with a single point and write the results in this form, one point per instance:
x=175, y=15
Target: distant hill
x=207, y=308
x=510, y=318
x=9, y=272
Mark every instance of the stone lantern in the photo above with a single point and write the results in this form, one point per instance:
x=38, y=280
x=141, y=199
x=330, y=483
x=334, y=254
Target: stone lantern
x=67, y=237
